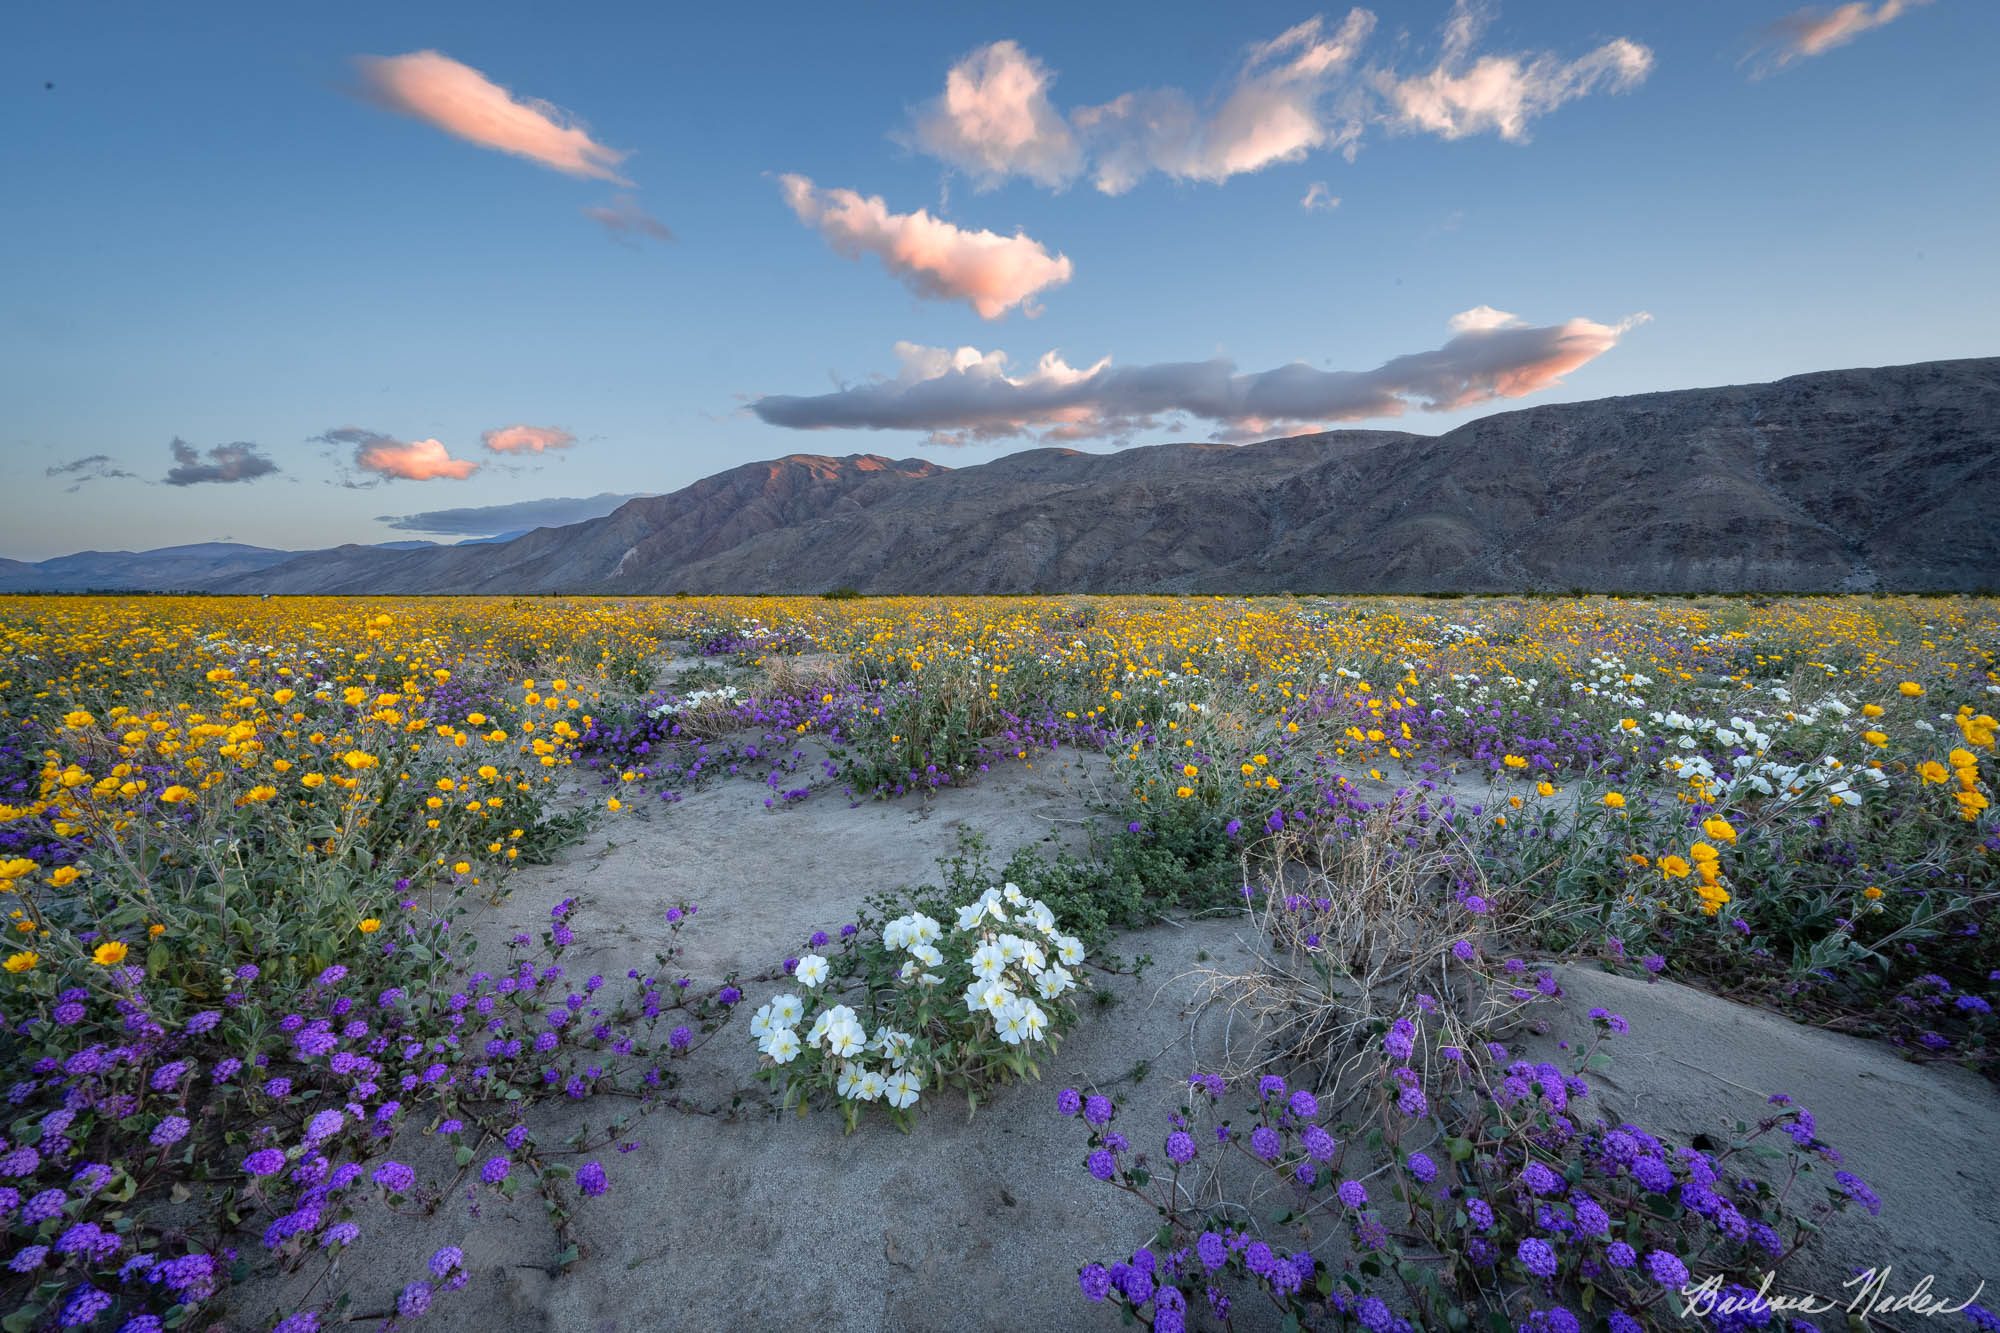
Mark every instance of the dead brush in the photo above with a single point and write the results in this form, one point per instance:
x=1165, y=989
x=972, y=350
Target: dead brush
x=1358, y=929
x=709, y=719
x=805, y=675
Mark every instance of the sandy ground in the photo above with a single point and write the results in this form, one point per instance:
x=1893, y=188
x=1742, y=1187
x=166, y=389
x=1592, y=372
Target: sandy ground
x=1922, y=1136
x=779, y=1221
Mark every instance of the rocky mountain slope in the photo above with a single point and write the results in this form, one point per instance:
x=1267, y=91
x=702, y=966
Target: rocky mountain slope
x=1843, y=480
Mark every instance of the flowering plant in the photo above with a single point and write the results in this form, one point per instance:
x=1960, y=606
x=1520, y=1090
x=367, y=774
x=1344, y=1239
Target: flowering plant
x=1475, y=1189
x=968, y=1015
x=147, y=1155
x=1393, y=1148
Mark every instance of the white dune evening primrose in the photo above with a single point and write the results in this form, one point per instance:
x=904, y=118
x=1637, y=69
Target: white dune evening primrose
x=1007, y=959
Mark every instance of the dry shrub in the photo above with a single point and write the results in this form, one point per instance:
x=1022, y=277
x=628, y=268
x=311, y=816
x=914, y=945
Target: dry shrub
x=806, y=675
x=1358, y=929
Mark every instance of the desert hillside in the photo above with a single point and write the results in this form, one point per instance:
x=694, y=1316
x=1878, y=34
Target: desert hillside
x=1843, y=480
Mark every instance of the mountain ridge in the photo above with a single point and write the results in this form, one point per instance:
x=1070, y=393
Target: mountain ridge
x=1847, y=480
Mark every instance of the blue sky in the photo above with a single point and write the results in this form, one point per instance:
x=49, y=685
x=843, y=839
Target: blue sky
x=228, y=232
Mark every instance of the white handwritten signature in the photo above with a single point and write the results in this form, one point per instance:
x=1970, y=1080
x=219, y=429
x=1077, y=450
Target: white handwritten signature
x=1871, y=1297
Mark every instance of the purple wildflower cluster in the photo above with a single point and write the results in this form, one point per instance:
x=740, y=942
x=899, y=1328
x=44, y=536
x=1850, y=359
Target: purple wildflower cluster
x=1554, y=1214
x=302, y=1111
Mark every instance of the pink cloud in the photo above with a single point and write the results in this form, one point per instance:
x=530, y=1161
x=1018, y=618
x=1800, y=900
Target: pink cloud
x=1302, y=92
x=413, y=460
x=965, y=395
x=934, y=258
x=1500, y=93
x=527, y=439
x=995, y=120
x=461, y=101
x=1274, y=110
x=1809, y=32
x=1495, y=355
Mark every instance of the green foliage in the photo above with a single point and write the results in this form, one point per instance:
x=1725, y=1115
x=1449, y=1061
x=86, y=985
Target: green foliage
x=893, y=1015
x=1129, y=880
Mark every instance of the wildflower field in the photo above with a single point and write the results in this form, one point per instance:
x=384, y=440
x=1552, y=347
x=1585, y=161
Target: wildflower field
x=266, y=1003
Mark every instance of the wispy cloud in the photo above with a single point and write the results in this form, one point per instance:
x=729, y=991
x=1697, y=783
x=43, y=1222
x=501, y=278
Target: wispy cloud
x=965, y=396
x=91, y=467
x=1465, y=95
x=1304, y=91
x=1277, y=108
x=1319, y=199
x=934, y=258
x=526, y=439
x=404, y=460
x=490, y=520
x=458, y=99
x=223, y=463
x=627, y=222
x=1809, y=32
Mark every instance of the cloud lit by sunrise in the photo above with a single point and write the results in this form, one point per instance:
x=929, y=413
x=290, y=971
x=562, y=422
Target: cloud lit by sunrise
x=934, y=258
x=967, y=395
x=461, y=101
x=527, y=439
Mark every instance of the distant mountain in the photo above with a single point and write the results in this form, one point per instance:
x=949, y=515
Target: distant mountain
x=1843, y=480
x=193, y=568
x=170, y=568
x=696, y=524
